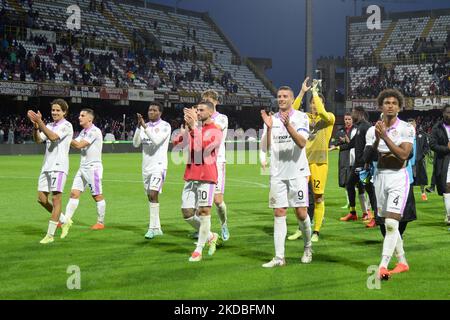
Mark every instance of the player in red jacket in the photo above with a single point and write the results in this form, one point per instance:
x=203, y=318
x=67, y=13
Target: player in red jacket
x=201, y=173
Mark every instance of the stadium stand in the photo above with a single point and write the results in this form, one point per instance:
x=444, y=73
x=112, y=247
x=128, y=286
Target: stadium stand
x=409, y=52
x=117, y=31
x=121, y=45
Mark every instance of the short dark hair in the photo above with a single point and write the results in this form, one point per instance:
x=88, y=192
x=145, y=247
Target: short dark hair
x=321, y=96
x=361, y=112
x=388, y=93
x=206, y=103
x=348, y=114
x=286, y=88
x=62, y=103
x=90, y=111
x=157, y=104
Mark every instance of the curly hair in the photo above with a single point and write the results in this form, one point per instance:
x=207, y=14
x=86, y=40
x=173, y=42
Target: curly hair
x=390, y=93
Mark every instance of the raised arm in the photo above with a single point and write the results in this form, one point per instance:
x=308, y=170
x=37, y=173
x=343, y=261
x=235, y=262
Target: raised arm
x=298, y=100
x=300, y=134
x=137, y=138
x=37, y=118
x=203, y=142
x=401, y=151
x=36, y=133
x=328, y=117
x=268, y=122
x=79, y=144
x=157, y=138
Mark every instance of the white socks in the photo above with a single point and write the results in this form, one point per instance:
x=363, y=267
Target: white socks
x=390, y=241
x=51, y=228
x=279, y=235
x=204, y=232
x=154, y=216
x=363, y=202
x=222, y=212
x=72, y=205
x=447, y=203
x=400, y=253
x=101, y=208
x=62, y=218
x=194, y=221
x=305, y=227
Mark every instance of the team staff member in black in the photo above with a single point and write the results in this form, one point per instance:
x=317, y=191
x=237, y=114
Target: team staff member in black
x=420, y=167
x=359, y=116
x=346, y=157
x=440, y=144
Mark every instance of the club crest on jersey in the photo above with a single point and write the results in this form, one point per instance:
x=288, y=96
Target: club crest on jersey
x=156, y=130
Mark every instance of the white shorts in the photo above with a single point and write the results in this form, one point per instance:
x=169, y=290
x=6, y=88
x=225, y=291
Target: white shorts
x=52, y=181
x=292, y=193
x=220, y=186
x=91, y=177
x=154, y=181
x=448, y=174
x=391, y=190
x=197, y=194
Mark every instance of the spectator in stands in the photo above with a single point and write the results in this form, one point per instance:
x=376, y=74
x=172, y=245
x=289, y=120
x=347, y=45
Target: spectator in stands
x=2, y=135
x=109, y=137
x=11, y=134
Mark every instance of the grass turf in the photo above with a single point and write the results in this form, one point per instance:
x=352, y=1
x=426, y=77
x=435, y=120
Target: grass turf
x=118, y=263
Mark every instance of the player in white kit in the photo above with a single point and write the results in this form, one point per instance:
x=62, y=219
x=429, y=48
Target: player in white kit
x=90, y=173
x=154, y=137
x=222, y=121
x=57, y=136
x=391, y=139
x=285, y=136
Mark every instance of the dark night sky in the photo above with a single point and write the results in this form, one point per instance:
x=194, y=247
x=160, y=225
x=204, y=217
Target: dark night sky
x=275, y=28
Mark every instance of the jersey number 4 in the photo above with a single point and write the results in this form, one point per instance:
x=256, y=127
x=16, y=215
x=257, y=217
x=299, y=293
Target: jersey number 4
x=395, y=201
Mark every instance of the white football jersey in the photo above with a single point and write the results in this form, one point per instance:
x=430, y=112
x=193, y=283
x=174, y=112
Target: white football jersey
x=155, y=142
x=287, y=158
x=92, y=154
x=57, y=152
x=399, y=133
x=222, y=121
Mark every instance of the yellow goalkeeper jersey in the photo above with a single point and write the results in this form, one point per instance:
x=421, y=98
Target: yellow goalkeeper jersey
x=320, y=130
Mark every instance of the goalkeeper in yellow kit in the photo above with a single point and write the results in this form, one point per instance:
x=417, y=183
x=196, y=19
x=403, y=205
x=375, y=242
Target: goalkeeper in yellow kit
x=321, y=125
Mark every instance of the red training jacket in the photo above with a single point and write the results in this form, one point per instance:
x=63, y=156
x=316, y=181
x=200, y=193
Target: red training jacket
x=204, y=145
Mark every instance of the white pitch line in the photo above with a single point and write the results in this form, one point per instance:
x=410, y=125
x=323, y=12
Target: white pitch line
x=260, y=185
x=249, y=184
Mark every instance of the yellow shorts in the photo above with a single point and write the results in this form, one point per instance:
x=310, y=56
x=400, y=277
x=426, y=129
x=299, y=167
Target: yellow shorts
x=319, y=173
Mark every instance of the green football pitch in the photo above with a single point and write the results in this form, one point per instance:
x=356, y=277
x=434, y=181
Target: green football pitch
x=118, y=263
